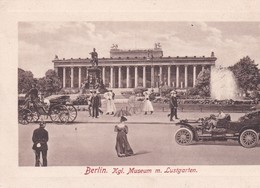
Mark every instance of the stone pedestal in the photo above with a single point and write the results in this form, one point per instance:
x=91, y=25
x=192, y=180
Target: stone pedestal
x=94, y=78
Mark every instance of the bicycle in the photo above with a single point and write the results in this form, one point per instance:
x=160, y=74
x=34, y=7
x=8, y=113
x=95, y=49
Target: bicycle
x=135, y=108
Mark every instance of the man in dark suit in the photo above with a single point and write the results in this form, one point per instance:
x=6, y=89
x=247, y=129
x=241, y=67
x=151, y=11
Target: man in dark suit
x=90, y=107
x=99, y=106
x=95, y=105
x=40, y=138
x=173, y=105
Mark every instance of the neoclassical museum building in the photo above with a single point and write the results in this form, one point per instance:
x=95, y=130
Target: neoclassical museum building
x=135, y=68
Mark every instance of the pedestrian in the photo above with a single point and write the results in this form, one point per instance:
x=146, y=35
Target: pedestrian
x=123, y=148
x=113, y=94
x=132, y=103
x=100, y=104
x=40, y=138
x=148, y=107
x=173, y=105
x=95, y=101
x=111, y=108
x=90, y=103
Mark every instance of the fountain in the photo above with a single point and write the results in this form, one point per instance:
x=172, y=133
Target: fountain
x=223, y=84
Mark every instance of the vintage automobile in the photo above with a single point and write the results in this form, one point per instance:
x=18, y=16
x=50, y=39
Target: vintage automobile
x=245, y=130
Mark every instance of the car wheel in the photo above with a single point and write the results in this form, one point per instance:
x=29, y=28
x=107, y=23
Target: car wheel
x=183, y=136
x=248, y=138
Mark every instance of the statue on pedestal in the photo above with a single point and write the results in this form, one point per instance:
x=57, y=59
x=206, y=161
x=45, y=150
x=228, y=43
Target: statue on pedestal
x=94, y=57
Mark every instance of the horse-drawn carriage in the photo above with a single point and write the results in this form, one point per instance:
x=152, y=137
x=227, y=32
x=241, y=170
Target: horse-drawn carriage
x=58, y=108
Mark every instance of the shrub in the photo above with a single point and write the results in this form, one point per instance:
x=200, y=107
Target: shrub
x=81, y=100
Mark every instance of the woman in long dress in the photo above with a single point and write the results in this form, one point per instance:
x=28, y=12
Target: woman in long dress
x=148, y=107
x=111, y=107
x=123, y=148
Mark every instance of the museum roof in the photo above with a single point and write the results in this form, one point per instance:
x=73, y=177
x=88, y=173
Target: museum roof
x=139, y=58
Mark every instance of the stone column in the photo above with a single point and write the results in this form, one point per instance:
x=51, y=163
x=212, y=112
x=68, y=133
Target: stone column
x=64, y=77
x=111, y=76
x=119, y=77
x=169, y=76
x=152, y=76
x=56, y=70
x=186, y=76
x=136, y=76
x=79, y=77
x=177, y=76
x=72, y=77
x=203, y=67
x=144, y=76
x=160, y=78
x=194, y=75
x=103, y=75
x=127, y=76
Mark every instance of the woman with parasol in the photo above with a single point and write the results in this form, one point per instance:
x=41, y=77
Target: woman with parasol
x=123, y=147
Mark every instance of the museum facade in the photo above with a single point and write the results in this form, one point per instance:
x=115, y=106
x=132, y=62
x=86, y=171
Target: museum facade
x=135, y=68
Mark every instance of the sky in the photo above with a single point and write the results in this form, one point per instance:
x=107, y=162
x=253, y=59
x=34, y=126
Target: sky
x=39, y=42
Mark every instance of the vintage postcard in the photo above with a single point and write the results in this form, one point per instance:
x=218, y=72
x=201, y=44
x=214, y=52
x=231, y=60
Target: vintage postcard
x=102, y=97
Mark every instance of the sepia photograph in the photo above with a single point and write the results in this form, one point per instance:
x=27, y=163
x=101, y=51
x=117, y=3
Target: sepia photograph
x=138, y=93
x=130, y=93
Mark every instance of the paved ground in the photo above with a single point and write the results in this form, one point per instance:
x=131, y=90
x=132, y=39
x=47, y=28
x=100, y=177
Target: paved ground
x=91, y=142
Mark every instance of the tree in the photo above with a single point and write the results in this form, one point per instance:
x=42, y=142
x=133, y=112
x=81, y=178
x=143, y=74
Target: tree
x=25, y=80
x=202, y=86
x=246, y=74
x=50, y=83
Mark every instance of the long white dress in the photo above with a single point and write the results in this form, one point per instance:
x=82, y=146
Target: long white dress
x=111, y=107
x=148, y=107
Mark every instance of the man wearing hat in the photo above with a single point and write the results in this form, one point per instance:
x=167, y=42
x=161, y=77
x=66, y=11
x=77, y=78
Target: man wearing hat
x=40, y=138
x=173, y=105
x=99, y=106
x=90, y=106
x=95, y=101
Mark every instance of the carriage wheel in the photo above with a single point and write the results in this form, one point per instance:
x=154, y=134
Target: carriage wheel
x=34, y=117
x=72, y=112
x=59, y=114
x=24, y=116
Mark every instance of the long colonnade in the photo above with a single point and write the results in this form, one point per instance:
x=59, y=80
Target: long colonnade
x=132, y=76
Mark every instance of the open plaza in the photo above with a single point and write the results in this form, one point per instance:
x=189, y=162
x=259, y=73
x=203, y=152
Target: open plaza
x=91, y=142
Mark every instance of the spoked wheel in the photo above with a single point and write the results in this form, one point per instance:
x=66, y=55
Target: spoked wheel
x=24, y=116
x=138, y=109
x=34, y=117
x=72, y=112
x=248, y=138
x=183, y=136
x=59, y=114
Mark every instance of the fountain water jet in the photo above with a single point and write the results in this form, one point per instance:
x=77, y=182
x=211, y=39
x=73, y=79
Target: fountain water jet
x=223, y=84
